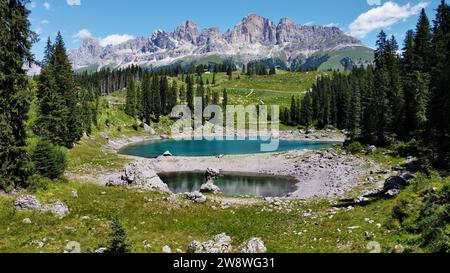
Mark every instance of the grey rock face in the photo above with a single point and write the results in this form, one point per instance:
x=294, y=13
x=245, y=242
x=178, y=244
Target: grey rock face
x=138, y=175
x=254, y=38
x=254, y=245
x=197, y=197
x=29, y=202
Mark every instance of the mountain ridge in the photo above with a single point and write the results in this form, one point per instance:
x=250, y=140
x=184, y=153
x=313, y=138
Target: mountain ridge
x=254, y=38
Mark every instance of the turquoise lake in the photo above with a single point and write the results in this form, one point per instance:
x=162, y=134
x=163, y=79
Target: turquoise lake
x=190, y=148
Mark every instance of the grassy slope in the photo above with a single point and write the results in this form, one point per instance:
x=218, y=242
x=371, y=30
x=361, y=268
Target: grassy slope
x=268, y=90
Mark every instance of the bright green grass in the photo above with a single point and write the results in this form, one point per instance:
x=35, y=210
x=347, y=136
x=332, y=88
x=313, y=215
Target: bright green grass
x=149, y=217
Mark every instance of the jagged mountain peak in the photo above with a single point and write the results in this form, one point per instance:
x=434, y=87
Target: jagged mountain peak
x=255, y=37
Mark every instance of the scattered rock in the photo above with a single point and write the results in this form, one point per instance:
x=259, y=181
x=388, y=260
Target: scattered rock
x=74, y=194
x=195, y=247
x=26, y=221
x=220, y=244
x=29, y=202
x=369, y=235
x=166, y=249
x=395, y=182
x=398, y=249
x=371, y=150
x=255, y=245
x=407, y=176
x=392, y=193
x=57, y=208
x=164, y=137
x=149, y=129
x=100, y=250
x=167, y=154
x=139, y=175
x=210, y=187
x=72, y=247
x=196, y=196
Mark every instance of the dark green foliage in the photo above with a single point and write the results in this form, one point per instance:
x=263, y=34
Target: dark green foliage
x=131, y=104
x=438, y=131
x=118, y=242
x=36, y=182
x=65, y=110
x=190, y=92
x=355, y=147
x=434, y=221
x=16, y=40
x=48, y=159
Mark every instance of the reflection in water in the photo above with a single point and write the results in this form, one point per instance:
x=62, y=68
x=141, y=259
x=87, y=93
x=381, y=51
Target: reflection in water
x=232, y=184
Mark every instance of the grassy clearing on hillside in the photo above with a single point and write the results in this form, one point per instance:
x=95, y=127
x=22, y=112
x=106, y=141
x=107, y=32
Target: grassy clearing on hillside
x=306, y=227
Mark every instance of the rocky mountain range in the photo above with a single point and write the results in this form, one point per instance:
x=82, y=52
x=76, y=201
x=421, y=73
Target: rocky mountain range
x=254, y=38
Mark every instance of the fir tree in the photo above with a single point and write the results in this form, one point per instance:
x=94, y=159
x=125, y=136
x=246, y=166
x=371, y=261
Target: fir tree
x=16, y=40
x=118, y=242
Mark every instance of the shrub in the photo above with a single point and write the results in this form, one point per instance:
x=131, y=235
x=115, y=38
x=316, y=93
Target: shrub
x=434, y=221
x=355, y=147
x=37, y=182
x=48, y=160
x=118, y=242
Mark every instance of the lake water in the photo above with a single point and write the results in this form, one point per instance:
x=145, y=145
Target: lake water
x=153, y=149
x=233, y=184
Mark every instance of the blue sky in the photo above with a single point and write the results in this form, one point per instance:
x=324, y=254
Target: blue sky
x=113, y=21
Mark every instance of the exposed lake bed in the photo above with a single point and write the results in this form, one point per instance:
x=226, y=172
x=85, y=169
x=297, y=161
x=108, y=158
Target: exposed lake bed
x=326, y=172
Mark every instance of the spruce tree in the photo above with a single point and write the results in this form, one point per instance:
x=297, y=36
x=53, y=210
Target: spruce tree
x=52, y=114
x=131, y=100
x=439, y=110
x=190, y=92
x=66, y=87
x=118, y=242
x=16, y=40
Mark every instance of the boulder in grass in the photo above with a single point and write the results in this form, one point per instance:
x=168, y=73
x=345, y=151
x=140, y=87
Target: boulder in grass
x=253, y=246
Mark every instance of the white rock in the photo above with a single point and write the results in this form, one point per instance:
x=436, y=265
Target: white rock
x=166, y=249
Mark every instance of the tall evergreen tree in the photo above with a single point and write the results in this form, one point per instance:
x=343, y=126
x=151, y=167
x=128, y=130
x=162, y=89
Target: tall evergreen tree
x=131, y=100
x=439, y=109
x=190, y=92
x=16, y=40
x=66, y=87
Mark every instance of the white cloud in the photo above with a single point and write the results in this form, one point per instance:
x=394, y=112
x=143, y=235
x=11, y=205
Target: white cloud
x=384, y=16
x=47, y=5
x=82, y=34
x=332, y=25
x=45, y=22
x=74, y=2
x=115, y=39
x=374, y=2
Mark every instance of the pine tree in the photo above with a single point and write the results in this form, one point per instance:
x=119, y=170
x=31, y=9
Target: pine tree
x=172, y=99
x=66, y=87
x=146, y=98
x=190, y=92
x=439, y=109
x=156, y=97
x=131, y=100
x=118, y=242
x=52, y=114
x=16, y=40
x=306, y=111
x=422, y=44
x=48, y=160
x=182, y=93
